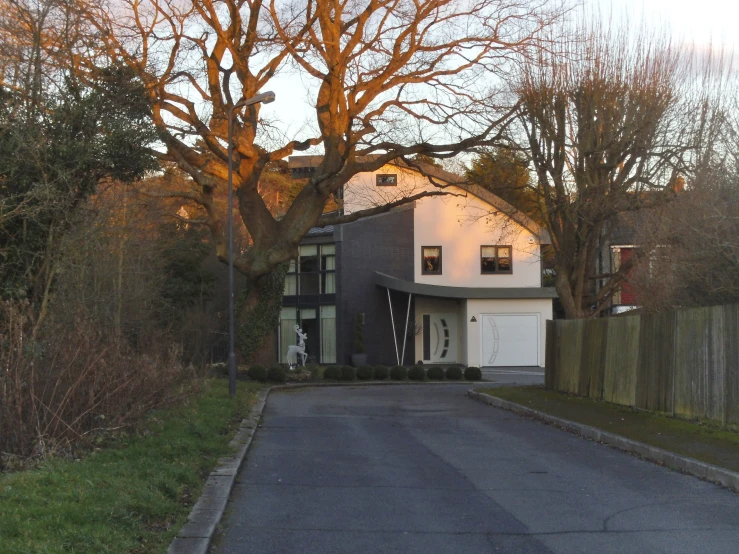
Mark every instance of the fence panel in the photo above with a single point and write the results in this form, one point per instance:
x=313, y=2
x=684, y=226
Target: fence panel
x=654, y=384
x=731, y=361
x=622, y=351
x=684, y=362
x=570, y=350
x=593, y=358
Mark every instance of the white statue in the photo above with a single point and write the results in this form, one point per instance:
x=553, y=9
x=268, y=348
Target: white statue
x=293, y=351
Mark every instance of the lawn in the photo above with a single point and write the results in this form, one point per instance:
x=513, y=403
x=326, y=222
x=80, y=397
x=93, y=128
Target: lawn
x=703, y=440
x=133, y=495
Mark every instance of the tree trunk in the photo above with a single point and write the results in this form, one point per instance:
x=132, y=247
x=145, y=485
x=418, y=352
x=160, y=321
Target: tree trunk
x=258, y=308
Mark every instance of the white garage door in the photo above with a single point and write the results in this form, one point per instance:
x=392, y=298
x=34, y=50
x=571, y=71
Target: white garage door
x=510, y=340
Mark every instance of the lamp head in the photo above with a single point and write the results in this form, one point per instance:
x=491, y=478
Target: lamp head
x=264, y=98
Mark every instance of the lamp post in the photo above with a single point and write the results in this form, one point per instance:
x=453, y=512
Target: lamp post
x=264, y=98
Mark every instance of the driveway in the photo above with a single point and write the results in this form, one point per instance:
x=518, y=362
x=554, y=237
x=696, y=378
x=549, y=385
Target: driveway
x=423, y=469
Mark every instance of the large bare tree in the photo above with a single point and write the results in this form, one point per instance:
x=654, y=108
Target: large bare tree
x=390, y=78
x=610, y=121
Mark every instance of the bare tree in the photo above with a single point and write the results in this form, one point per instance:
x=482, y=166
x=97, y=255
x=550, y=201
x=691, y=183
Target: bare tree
x=610, y=122
x=390, y=78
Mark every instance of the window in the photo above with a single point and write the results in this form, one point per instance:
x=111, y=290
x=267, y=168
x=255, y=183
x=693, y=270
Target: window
x=431, y=260
x=320, y=336
x=386, y=179
x=288, y=320
x=328, y=334
x=495, y=259
x=314, y=272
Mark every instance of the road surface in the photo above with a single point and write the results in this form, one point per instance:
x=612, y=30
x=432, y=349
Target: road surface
x=423, y=469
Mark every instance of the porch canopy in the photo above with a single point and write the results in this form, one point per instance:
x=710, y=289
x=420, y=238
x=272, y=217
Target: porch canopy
x=421, y=289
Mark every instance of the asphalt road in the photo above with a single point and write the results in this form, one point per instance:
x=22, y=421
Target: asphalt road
x=423, y=469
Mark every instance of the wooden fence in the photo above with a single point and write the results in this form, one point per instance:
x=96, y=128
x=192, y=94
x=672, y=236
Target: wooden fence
x=684, y=362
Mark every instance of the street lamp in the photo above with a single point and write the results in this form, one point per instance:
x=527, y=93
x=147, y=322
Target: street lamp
x=264, y=98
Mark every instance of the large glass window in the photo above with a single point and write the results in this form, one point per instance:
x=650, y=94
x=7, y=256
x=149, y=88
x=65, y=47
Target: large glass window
x=319, y=323
x=495, y=259
x=328, y=334
x=431, y=260
x=288, y=320
x=328, y=269
x=314, y=272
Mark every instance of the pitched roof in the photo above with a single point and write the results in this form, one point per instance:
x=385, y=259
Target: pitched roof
x=435, y=172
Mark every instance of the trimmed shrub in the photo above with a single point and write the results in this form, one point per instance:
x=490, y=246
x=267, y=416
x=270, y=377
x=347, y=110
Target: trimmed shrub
x=332, y=372
x=398, y=373
x=417, y=373
x=348, y=373
x=364, y=372
x=256, y=373
x=435, y=373
x=315, y=371
x=276, y=374
x=473, y=373
x=381, y=372
x=454, y=373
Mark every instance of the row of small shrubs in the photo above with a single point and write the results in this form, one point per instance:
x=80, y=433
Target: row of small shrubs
x=275, y=374
x=400, y=373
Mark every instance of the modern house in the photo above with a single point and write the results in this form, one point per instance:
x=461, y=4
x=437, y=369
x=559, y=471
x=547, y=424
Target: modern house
x=452, y=279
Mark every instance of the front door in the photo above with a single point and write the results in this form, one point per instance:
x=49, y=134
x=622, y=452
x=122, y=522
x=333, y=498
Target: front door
x=440, y=338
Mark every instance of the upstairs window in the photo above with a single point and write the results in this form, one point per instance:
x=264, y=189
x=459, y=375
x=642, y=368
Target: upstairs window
x=495, y=259
x=431, y=260
x=314, y=272
x=386, y=179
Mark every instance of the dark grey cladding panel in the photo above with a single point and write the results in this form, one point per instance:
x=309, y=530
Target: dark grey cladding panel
x=382, y=243
x=402, y=285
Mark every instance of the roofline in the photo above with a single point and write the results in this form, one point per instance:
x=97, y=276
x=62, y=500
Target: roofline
x=429, y=170
x=439, y=291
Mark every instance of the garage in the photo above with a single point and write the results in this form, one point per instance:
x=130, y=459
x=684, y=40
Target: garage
x=510, y=340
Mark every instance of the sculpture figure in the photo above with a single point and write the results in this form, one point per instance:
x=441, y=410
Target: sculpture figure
x=295, y=351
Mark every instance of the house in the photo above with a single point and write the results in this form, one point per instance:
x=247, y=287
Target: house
x=619, y=248
x=453, y=279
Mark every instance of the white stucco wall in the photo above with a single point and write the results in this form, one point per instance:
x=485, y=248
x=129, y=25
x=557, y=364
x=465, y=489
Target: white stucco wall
x=460, y=225
x=477, y=308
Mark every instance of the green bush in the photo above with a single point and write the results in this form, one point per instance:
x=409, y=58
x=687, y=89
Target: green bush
x=315, y=371
x=348, y=373
x=398, y=373
x=473, y=373
x=276, y=374
x=257, y=373
x=364, y=372
x=435, y=373
x=381, y=372
x=454, y=373
x=417, y=373
x=332, y=372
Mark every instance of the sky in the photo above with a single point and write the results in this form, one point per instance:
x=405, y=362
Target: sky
x=700, y=21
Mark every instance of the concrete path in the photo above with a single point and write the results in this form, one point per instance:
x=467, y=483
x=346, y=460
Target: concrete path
x=422, y=469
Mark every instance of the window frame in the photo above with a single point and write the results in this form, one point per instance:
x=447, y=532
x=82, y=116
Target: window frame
x=321, y=273
x=497, y=271
x=441, y=261
x=379, y=176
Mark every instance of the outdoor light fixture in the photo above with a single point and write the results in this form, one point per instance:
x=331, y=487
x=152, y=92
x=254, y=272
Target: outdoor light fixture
x=264, y=98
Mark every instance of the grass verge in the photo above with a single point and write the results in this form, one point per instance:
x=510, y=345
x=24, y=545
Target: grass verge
x=704, y=441
x=131, y=497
